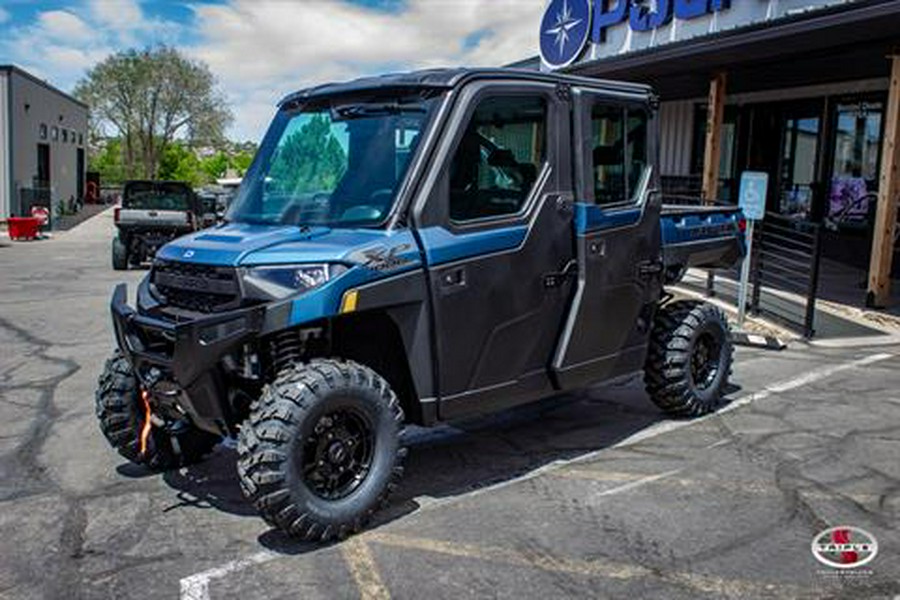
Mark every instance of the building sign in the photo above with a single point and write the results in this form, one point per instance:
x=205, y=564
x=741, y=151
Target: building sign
x=582, y=30
x=564, y=31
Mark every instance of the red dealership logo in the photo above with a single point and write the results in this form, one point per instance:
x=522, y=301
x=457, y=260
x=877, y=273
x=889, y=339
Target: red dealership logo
x=844, y=547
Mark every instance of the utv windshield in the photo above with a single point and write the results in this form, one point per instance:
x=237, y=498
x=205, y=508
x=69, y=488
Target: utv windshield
x=149, y=195
x=335, y=165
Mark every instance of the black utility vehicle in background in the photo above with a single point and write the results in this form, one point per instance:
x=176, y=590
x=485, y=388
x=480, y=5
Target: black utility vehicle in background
x=415, y=248
x=153, y=213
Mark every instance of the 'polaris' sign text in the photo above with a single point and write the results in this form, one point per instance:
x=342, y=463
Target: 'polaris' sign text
x=568, y=24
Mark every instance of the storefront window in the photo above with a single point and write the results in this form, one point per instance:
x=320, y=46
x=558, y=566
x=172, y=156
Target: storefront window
x=728, y=151
x=857, y=146
x=798, y=166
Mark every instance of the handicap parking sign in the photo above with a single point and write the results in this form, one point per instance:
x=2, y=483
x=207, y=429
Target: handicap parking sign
x=754, y=185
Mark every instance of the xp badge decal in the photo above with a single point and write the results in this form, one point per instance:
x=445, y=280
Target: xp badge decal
x=844, y=547
x=564, y=31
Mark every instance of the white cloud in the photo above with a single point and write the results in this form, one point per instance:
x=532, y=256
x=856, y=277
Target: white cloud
x=62, y=25
x=261, y=50
x=60, y=45
x=267, y=48
x=125, y=14
x=4, y=15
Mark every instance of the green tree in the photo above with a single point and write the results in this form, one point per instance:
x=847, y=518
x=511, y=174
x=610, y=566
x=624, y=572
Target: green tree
x=149, y=99
x=241, y=162
x=180, y=163
x=215, y=166
x=109, y=163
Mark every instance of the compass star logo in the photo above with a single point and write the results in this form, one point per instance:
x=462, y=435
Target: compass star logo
x=564, y=31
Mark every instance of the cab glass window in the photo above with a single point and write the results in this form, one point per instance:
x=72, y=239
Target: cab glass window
x=618, y=153
x=635, y=150
x=496, y=164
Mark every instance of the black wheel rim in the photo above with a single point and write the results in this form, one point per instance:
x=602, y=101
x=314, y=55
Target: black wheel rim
x=337, y=453
x=705, y=360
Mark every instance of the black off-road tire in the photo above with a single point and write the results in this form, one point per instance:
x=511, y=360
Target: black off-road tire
x=275, y=444
x=121, y=415
x=689, y=359
x=119, y=255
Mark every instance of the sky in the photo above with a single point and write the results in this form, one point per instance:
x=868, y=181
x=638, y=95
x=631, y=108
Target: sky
x=260, y=50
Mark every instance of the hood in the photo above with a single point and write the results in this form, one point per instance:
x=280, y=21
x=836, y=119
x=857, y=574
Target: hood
x=242, y=244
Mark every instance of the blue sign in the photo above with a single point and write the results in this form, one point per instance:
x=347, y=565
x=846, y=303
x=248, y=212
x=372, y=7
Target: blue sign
x=754, y=187
x=568, y=24
x=564, y=31
x=641, y=18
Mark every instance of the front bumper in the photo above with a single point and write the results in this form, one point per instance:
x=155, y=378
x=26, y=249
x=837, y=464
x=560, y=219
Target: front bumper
x=178, y=359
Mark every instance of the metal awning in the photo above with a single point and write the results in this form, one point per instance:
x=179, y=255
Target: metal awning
x=846, y=42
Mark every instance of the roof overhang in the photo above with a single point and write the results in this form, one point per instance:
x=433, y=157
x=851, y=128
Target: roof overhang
x=846, y=42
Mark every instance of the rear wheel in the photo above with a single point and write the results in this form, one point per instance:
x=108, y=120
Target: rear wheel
x=123, y=420
x=689, y=360
x=321, y=449
x=119, y=255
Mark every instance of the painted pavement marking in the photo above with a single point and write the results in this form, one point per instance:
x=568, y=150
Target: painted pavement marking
x=361, y=563
x=362, y=566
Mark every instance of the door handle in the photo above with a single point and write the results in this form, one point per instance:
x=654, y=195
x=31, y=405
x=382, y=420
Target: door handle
x=554, y=280
x=453, y=278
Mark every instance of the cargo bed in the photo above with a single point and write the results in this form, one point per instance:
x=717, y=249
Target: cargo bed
x=709, y=237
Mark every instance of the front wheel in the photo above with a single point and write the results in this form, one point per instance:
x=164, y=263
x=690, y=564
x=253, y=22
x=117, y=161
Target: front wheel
x=321, y=449
x=689, y=360
x=119, y=255
x=123, y=417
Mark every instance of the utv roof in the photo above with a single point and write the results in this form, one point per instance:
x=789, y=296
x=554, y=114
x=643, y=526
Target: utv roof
x=449, y=78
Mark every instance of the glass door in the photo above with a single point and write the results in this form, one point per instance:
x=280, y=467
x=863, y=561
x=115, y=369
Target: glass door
x=854, y=176
x=800, y=147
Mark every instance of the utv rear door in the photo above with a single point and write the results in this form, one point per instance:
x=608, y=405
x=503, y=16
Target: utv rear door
x=617, y=239
x=495, y=225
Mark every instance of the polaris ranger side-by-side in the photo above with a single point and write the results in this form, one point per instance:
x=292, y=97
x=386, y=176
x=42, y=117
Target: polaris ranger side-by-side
x=152, y=213
x=414, y=249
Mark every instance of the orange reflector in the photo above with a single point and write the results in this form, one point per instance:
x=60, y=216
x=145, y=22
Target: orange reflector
x=147, y=424
x=348, y=304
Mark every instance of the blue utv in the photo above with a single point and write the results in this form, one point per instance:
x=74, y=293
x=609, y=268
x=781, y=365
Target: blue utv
x=415, y=248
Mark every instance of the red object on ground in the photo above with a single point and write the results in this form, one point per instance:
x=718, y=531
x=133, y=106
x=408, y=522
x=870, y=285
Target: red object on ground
x=41, y=212
x=23, y=228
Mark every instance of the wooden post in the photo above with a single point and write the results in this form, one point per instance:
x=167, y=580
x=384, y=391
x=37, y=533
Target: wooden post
x=881, y=259
x=715, y=115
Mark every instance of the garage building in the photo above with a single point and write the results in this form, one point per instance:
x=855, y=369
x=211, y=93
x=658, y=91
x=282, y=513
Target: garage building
x=43, y=134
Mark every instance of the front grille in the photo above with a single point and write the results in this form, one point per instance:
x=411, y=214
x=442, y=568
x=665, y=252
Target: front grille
x=197, y=288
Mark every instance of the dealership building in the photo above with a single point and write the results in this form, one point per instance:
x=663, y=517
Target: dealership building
x=807, y=91
x=43, y=134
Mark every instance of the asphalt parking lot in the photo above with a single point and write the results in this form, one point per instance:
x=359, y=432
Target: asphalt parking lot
x=594, y=495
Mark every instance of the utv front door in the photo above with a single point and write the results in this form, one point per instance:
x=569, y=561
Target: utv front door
x=496, y=230
x=617, y=240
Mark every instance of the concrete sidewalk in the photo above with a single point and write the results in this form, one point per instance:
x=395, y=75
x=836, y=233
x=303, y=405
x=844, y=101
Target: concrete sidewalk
x=830, y=321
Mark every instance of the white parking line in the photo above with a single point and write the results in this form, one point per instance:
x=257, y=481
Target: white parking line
x=196, y=587
x=642, y=481
x=667, y=427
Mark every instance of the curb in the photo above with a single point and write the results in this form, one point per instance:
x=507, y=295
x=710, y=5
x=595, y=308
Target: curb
x=757, y=340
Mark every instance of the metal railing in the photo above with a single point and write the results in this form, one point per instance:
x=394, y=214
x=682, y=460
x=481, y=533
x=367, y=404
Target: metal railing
x=787, y=258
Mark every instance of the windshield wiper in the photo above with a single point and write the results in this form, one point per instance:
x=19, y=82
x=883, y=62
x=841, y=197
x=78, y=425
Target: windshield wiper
x=356, y=111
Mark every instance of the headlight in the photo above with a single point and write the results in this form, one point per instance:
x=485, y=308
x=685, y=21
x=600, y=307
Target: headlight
x=281, y=281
